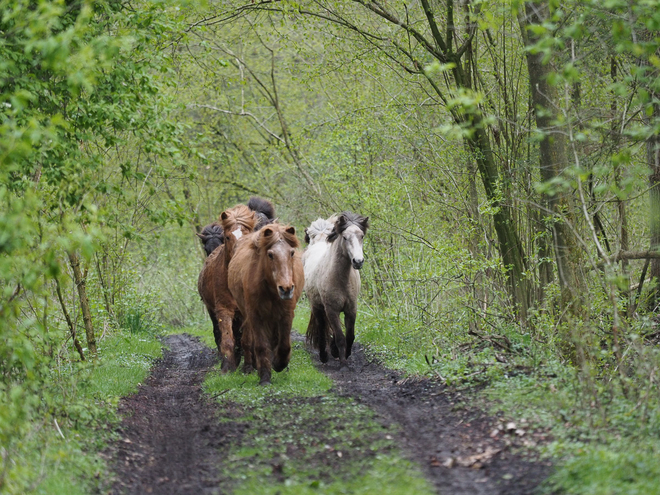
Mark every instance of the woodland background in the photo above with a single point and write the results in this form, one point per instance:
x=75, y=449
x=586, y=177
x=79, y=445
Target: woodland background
x=506, y=152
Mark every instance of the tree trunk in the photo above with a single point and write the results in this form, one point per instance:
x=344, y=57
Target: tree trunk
x=552, y=158
x=81, y=284
x=69, y=322
x=653, y=160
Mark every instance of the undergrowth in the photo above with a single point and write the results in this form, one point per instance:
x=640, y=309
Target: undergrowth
x=59, y=454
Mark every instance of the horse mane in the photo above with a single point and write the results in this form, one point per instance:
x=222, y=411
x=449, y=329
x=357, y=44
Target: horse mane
x=345, y=220
x=318, y=227
x=212, y=236
x=239, y=215
x=264, y=209
x=273, y=233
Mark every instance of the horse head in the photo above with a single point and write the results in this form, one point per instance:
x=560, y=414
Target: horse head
x=276, y=245
x=350, y=229
x=264, y=210
x=319, y=230
x=237, y=222
x=211, y=236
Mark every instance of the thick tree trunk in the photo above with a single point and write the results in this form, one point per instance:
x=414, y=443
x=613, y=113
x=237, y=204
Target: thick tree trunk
x=81, y=284
x=653, y=160
x=552, y=159
x=509, y=243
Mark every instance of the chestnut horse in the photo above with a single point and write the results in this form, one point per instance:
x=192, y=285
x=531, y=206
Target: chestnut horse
x=333, y=283
x=212, y=285
x=213, y=235
x=266, y=279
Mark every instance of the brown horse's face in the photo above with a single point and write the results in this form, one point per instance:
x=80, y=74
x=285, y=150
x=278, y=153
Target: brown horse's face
x=280, y=259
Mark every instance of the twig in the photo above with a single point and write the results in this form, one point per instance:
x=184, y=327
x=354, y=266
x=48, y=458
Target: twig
x=442, y=379
x=219, y=394
x=58, y=428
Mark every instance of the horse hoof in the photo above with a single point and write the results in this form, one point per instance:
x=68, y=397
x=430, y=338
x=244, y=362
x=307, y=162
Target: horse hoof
x=263, y=383
x=248, y=369
x=227, y=367
x=334, y=350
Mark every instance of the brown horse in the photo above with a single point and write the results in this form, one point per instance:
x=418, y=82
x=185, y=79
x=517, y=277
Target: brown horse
x=212, y=285
x=266, y=279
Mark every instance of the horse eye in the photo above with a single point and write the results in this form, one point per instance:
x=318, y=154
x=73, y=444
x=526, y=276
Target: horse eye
x=292, y=253
x=270, y=255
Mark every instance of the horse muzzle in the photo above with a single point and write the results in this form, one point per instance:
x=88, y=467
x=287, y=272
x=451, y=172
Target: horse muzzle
x=285, y=294
x=357, y=264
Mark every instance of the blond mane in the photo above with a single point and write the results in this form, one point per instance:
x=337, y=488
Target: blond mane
x=239, y=215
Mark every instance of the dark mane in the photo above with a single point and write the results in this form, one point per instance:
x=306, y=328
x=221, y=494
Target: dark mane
x=264, y=209
x=345, y=220
x=212, y=236
x=272, y=233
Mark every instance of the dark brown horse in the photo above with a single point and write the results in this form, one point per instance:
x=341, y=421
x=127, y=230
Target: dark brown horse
x=212, y=236
x=212, y=286
x=266, y=279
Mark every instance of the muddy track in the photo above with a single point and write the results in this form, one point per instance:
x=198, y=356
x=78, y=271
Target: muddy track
x=449, y=439
x=173, y=442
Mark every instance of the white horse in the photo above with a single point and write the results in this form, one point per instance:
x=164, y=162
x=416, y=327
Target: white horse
x=332, y=282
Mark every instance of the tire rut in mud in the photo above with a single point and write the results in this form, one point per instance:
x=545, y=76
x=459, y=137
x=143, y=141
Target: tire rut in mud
x=171, y=441
x=435, y=427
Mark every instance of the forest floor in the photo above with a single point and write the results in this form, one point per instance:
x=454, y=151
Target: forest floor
x=174, y=438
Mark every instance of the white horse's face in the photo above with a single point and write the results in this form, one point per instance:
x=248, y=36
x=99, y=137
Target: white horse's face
x=353, y=238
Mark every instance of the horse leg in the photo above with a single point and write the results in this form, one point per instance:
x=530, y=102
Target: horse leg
x=320, y=331
x=216, y=332
x=236, y=326
x=227, y=345
x=339, y=339
x=282, y=354
x=349, y=322
x=248, y=350
x=262, y=354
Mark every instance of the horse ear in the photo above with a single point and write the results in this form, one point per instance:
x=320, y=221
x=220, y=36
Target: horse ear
x=202, y=237
x=267, y=232
x=307, y=239
x=224, y=215
x=291, y=230
x=365, y=224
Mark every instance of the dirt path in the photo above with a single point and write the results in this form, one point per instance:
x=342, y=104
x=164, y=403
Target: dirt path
x=173, y=442
x=447, y=438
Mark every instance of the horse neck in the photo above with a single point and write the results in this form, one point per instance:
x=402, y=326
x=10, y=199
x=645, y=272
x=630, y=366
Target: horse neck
x=341, y=260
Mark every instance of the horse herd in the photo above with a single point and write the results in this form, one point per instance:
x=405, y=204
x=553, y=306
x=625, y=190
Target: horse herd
x=254, y=275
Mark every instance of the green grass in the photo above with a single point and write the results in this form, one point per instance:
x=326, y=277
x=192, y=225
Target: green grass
x=89, y=394
x=324, y=444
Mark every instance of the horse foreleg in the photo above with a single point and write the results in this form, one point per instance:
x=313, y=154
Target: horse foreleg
x=247, y=344
x=282, y=354
x=318, y=327
x=227, y=345
x=262, y=355
x=217, y=335
x=237, y=330
x=349, y=322
x=339, y=339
